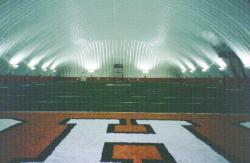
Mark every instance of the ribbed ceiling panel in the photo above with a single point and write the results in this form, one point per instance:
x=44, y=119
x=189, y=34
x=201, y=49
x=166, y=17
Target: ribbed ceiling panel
x=160, y=37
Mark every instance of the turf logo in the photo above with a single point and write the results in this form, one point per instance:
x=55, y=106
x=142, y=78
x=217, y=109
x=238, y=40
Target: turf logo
x=95, y=140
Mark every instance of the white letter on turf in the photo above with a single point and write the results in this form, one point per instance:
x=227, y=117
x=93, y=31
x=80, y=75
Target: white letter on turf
x=84, y=144
x=246, y=124
x=6, y=123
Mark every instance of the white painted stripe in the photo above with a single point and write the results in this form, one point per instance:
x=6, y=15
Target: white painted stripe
x=4, y=87
x=138, y=96
x=158, y=103
x=48, y=101
x=197, y=98
x=169, y=97
x=193, y=103
x=68, y=96
x=124, y=85
x=114, y=105
x=211, y=87
x=233, y=89
x=129, y=102
x=12, y=95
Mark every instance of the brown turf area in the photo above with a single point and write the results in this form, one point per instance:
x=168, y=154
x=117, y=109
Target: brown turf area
x=39, y=129
x=136, y=153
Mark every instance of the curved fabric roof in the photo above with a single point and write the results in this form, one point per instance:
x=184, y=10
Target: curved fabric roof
x=163, y=38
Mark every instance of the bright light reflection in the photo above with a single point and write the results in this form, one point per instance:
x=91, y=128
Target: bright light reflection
x=20, y=56
x=91, y=66
x=15, y=66
x=44, y=69
x=32, y=68
x=91, y=71
x=145, y=67
x=221, y=63
x=190, y=66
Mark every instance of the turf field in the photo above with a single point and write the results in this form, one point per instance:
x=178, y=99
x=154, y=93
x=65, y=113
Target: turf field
x=46, y=137
x=80, y=122
x=162, y=97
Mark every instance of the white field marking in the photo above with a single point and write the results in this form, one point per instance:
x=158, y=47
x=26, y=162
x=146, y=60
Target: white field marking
x=138, y=96
x=158, y=103
x=4, y=87
x=72, y=96
x=246, y=124
x=196, y=98
x=67, y=96
x=193, y=103
x=233, y=89
x=84, y=143
x=169, y=97
x=6, y=123
x=211, y=87
x=123, y=85
x=115, y=105
x=13, y=95
x=55, y=101
x=40, y=84
x=48, y=101
x=129, y=102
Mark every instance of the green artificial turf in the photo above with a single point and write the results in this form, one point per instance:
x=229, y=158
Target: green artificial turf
x=130, y=97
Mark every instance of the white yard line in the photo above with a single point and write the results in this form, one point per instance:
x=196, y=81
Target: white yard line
x=138, y=96
x=158, y=103
x=193, y=103
x=169, y=97
x=68, y=96
x=128, y=102
x=123, y=85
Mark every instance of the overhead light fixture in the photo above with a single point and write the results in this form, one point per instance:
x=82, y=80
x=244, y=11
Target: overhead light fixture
x=15, y=66
x=201, y=63
x=247, y=66
x=182, y=68
x=53, y=70
x=92, y=66
x=204, y=69
x=32, y=68
x=44, y=69
x=145, y=66
x=222, y=64
x=191, y=71
x=91, y=71
x=190, y=66
x=222, y=68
